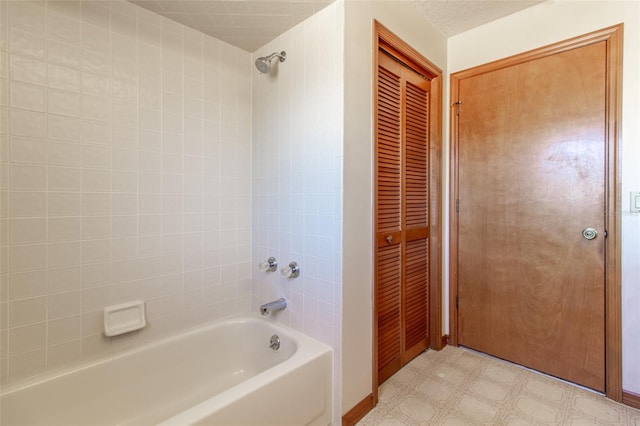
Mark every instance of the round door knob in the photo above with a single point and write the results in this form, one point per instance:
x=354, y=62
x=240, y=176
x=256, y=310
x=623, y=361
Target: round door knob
x=589, y=233
x=389, y=239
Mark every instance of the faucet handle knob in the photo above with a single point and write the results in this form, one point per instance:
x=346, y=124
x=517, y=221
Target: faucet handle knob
x=291, y=271
x=269, y=265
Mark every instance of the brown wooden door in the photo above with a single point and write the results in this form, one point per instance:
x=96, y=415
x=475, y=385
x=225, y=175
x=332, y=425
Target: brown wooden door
x=402, y=245
x=531, y=176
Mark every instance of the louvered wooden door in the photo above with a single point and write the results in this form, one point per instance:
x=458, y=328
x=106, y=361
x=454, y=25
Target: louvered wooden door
x=402, y=232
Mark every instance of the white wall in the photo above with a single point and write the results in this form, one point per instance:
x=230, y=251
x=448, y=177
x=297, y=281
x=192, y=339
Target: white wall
x=404, y=20
x=297, y=182
x=125, y=139
x=554, y=21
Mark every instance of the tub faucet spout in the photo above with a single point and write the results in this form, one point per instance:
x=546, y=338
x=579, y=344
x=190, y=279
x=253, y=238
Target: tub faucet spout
x=276, y=305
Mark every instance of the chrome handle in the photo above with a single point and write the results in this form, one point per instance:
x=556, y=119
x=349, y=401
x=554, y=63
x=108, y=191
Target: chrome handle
x=389, y=239
x=274, y=343
x=268, y=265
x=291, y=271
x=589, y=233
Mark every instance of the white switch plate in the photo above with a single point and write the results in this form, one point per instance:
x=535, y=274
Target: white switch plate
x=635, y=202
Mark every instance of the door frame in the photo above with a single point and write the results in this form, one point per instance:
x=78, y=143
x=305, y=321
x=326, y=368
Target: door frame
x=612, y=36
x=382, y=36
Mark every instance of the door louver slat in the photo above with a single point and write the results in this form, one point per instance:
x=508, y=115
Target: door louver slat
x=416, y=293
x=388, y=146
x=416, y=157
x=388, y=304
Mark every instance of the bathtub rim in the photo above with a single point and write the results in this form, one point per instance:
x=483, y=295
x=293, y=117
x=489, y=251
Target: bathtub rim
x=201, y=410
x=304, y=345
x=311, y=350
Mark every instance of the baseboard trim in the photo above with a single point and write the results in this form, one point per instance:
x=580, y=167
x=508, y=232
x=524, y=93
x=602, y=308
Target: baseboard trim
x=631, y=399
x=444, y=342
x=361, y=409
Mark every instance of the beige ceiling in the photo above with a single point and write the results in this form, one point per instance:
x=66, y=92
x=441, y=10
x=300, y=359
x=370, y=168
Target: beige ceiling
x=453, y=17
x=249, y=24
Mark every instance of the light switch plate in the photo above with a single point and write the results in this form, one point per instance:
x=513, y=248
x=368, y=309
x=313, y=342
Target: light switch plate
x=635, y=202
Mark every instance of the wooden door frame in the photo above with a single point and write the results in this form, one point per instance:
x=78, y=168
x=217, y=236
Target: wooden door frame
x=382, y=36
x=612, y=36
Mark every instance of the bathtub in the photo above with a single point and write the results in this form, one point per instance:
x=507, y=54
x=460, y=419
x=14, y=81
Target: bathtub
x=224, y=373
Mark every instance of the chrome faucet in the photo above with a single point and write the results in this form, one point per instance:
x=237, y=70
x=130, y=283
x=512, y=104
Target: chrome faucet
x=276, y=305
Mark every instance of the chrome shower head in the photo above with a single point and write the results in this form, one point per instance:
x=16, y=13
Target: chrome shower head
x=263, y=63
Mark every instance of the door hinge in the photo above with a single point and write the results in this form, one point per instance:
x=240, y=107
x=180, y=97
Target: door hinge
x=457, y=105
x=457, y=204
x=605, y=233
x=457, y=301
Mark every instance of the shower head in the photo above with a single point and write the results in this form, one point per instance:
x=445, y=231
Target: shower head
x=264, y=62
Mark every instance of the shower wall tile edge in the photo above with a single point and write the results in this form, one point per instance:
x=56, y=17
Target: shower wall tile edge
x=297, y=182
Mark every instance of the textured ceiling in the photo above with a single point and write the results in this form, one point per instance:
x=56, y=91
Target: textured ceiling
x=250, y=24
x=453, y=17
x=247, y=24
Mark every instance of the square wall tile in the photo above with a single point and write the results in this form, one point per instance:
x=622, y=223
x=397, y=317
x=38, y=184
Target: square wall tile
x=63, y=354
x=61, y=27
x=112, y=180
x=27, y=311
x=27, y=150
x=28, y=70
x=64, y=330
x=64, y=103
x=62, y=280
x=27, y=257
x=27, y=96
x=60, y=305
x=25, y=231
x=23, y=285
x=63, y=204
x=27, y=16
x=28, y=123
x=27, y=338
x=27, y=364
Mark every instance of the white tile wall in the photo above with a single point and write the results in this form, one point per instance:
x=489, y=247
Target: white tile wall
x=124, y=174
x=297, y=179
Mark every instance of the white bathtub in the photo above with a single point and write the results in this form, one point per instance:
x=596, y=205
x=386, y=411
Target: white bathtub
x=224, y=373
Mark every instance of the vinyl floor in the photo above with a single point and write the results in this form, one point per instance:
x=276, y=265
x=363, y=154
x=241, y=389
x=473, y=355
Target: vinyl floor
x=457, y=386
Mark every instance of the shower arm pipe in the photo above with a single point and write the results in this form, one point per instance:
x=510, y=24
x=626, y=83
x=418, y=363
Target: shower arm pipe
x=281, y=56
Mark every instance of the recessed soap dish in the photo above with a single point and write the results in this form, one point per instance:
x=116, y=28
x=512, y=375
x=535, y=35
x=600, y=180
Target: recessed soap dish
x=124, y=318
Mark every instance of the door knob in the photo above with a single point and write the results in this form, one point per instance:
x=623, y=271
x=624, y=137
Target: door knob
x=389, y=239
x=589, y=233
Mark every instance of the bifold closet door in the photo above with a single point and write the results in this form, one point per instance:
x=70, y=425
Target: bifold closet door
x=402, y=245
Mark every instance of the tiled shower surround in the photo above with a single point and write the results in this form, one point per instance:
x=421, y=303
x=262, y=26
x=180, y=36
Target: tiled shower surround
x=126, y=174
x=297, y=179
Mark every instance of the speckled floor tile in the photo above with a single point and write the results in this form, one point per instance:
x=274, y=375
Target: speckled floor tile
x=459, y=387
